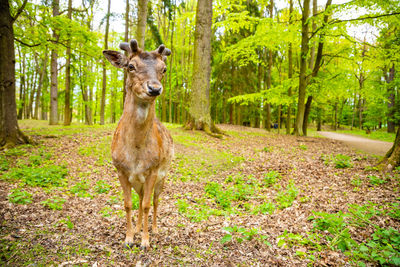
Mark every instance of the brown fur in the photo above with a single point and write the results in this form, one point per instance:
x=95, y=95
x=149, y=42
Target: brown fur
x=142, y=148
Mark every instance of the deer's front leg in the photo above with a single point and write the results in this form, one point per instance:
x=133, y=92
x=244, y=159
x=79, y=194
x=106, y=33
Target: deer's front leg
x=157, y=191
x=127, y=189
x=146, y=204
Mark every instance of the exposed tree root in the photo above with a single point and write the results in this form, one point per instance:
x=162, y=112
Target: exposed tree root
x=210, y=130
x=11, y=141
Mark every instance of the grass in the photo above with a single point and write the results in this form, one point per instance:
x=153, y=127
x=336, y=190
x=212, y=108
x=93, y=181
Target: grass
x=380, y=134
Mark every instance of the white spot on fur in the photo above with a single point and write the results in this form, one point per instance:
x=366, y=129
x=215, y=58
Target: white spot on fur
x=141, y=113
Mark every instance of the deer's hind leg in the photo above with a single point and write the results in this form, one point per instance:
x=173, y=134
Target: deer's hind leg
x=127, y=191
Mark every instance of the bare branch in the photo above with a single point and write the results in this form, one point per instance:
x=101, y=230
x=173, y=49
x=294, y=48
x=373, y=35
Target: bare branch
x=19, y=11
x=26, y=44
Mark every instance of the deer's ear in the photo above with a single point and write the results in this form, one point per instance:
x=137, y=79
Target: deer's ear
x=116, y=58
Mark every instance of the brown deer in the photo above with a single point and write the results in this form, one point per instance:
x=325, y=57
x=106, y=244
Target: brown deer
x=142, y=148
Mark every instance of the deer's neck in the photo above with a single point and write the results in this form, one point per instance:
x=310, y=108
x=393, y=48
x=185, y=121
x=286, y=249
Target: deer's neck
x=137, y=119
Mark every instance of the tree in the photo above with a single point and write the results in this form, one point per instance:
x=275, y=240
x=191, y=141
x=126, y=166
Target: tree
x=103, y=91
x=199, y=110
x=53, y=69
x=67, y=107
x=303, y=68
x=392, y=157
x=10, y=134
x=141, y=24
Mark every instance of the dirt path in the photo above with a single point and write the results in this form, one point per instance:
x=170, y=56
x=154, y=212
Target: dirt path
x=368, y=145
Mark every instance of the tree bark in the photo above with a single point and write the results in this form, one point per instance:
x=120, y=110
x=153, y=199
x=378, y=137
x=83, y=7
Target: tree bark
x=103, y=91
x=54, y=72
x=126, y=38
x=290, y=74
x=199, y=109
x=303, y=68
x=67, y=106
x=10, y=133
x=306, y=114
x=392, y=157
x=141, y=24
x=391, y=100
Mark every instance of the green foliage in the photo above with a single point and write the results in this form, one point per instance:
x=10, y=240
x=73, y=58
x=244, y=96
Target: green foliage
x=383, y=248
x=67, y=222
x=335, y=224
x=102, y=187
x=3, y=163
x=285, y=198
x=342, y=161
x=43, y=176
x=81, y=189
x=241, y=234
x=19, y=196
x=303, y=147
x=265, y=208
x=375, y=180
x=271, y=177
x=55, y=203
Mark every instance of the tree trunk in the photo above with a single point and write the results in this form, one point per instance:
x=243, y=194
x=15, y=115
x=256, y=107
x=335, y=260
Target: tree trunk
x=306, y=113
x=39, y=90
x=141, y=24
x=103, y=91
x=10, y=133
x=54, y=72
x=126, y=38
x=392, y=157
x=199, y=109
x=21, y=86
x=391, y=100
x=303, y=68
x=290, y=74
x=67, y=106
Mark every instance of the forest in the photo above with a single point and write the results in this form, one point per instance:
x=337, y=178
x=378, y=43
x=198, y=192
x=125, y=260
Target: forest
x=251, y=89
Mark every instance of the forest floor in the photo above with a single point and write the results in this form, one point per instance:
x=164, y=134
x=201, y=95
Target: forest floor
x=253, y=198
x=374, y=147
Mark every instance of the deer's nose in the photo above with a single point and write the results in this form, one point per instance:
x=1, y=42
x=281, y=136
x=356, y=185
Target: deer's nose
x=154, y=89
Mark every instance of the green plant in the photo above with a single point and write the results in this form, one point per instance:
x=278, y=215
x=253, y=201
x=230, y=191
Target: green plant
x=335, y=224
x=44, y=176
x=361, y=215
x=342, y=161
x=268, y=149
x=222, y=197
x=16, y=151
x=240, y=234
x=67, y=222
x=271, y=178
x=356, y=182
x=285, y=198
x=19, y=196
x=106, y=211
x=384, y=247
x=81, y=189
x=303, y=147
x=265, y=208
x=3, y=163
x=102, y=187
x=375, y=180
x=54, y=203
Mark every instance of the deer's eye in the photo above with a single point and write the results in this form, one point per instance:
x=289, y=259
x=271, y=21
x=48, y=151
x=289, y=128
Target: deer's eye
x=131, y=67
x=164, y=70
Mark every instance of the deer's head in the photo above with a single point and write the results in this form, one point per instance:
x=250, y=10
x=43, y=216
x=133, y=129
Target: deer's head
x=145, y=69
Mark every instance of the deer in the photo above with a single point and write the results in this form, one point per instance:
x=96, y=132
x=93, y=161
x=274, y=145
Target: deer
x=142, y=148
